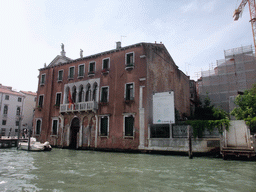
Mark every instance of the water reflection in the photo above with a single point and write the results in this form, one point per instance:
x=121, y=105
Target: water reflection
x=71, y=170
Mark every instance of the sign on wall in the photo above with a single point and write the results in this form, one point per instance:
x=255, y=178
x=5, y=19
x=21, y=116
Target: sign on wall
x=163, y=108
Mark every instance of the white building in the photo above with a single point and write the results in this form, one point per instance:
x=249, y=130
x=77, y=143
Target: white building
x=15, y=107
x=11, y=106
x=28, y=109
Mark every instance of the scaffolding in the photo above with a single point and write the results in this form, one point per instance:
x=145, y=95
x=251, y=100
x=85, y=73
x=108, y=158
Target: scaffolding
x=236, y=73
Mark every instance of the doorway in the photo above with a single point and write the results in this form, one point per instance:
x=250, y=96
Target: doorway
x=74, y=129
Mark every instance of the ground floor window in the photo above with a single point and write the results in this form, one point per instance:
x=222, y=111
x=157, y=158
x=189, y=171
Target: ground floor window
x=54, y=127
x=104, y=126
x=160, y=131
x=129, y=126
x=38, y=127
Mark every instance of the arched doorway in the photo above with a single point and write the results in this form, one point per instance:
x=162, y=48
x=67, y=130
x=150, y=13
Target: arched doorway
x=74, y=129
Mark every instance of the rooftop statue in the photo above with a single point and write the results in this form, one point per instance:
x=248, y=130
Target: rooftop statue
x=81, y=53
x=62, y=46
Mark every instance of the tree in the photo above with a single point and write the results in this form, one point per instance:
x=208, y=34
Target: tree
x=208, y=117
x=246, y=104
x=206, y=111
x=246, y=107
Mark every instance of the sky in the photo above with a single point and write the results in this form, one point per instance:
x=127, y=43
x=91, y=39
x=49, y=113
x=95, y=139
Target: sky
x=195, y=32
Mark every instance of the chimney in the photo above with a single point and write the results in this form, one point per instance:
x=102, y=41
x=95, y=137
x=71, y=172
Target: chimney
x=118, y=45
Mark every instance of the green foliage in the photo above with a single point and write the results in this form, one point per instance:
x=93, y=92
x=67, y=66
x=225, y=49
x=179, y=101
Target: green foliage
x=246, y=109
x=206, y=111
x=208, y=117
x=246, y=105
x=200, y=125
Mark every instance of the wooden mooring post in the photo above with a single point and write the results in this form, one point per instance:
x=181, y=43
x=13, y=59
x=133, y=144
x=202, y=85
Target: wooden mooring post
x=190, y=142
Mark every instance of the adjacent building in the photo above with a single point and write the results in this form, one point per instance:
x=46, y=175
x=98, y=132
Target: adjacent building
x=106, y=100
x=16, y=111
x=11, y=106
x=28, y=109
x=232, y=76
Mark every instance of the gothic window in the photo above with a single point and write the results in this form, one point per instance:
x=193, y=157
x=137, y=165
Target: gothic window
x=94, y=94
x=38, y=127
x=80, y=96
x=88, y=93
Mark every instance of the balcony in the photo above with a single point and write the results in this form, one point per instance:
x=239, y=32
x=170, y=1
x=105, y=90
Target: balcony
x=79, y=107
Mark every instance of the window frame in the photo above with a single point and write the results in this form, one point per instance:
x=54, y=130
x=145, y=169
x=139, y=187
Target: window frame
x=7, y=97
x=42, y=104
x=100, y=123
x=72, y=67
x=79, y=71
x=57, y=125
x=42, y=80
x=131, y=98
x=19, y=99
x=59, y=80
x=101, y=94
x=36, y=133
x=126, y=115
x=56, y=97
x=89, y=68
x=107, y=58
x=17, y=123
x=133, y=58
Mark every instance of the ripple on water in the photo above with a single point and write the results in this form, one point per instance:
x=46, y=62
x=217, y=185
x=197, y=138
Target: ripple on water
x=70, y=170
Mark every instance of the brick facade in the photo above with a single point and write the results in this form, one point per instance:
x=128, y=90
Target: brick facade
x=112, y=100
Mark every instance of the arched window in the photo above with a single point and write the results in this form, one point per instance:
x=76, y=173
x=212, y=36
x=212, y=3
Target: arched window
x=80, y=96
x=94, y=94
x=38, y=127
x=88, y=93
x=18, y=111
x=74, y=95
x=68, y=94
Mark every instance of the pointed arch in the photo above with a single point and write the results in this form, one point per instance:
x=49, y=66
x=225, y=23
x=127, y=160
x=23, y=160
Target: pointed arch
x=81, y=94
x=74, y=94
x=67, y=91
x=94, y=93
x=88, y=92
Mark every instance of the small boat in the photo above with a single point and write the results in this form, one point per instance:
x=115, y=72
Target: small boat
x=35, y=146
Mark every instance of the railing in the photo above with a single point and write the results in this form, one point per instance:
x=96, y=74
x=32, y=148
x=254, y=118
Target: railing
x=77, y=107
x=180, y=131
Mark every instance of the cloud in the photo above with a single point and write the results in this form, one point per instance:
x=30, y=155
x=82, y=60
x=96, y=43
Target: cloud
x=199, y=5
x=209, y=6
x=192, y=6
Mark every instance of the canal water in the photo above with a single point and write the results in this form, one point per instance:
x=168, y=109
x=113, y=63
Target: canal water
x=77, y=170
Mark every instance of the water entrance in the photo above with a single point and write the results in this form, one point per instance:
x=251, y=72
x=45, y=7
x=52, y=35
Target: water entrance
x=74, y=129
